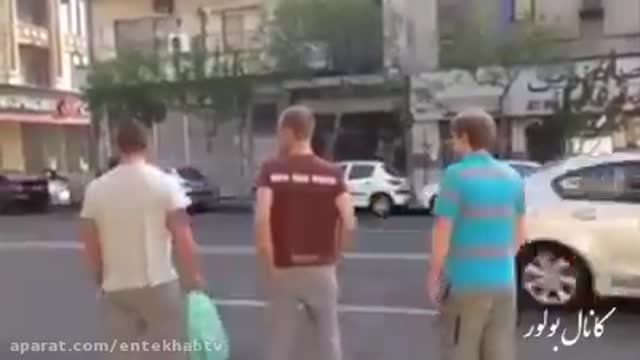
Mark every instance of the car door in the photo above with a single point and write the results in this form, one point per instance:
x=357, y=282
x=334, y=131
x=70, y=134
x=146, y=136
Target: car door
x=4, y=191
x=360, y=183
x=598, y=202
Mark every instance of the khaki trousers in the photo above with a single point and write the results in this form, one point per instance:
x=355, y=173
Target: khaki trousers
x=151, y=314
x=479, y=326
x=314, y=292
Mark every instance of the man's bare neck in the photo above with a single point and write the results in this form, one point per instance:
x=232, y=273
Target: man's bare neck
x=303, y=149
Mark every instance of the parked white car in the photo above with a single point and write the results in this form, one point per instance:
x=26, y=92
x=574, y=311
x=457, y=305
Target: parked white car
x=583, y=217
x=375, y=186
x=430, y=191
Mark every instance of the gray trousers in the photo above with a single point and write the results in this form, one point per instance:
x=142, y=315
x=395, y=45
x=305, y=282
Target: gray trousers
x=151, y=314
x=313, y=293
x=479, y=326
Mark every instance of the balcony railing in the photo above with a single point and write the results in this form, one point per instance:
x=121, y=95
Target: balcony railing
x=158, y=37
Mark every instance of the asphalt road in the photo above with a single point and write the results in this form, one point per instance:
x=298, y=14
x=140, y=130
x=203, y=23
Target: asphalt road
x=47, y=296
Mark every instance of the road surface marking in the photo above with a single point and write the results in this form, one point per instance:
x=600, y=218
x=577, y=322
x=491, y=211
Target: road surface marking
x=206, y=250
x=357, y=309
x=391, y=231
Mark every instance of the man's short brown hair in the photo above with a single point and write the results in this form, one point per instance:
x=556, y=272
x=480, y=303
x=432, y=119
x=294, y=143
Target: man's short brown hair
x=131, y=138
x=478, y=126
x=300, y=120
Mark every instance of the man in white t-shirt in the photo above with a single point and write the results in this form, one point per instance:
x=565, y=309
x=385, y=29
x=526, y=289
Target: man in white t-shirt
x=131, y=218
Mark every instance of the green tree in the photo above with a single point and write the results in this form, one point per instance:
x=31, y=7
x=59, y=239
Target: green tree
x=141, y=86
x=327, y=37
x=348, y=33
x=498, y=57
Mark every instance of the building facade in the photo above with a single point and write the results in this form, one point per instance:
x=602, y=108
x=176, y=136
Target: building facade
x=355, y=109
x=43, y=54
x=223, y=150
x=589, y=30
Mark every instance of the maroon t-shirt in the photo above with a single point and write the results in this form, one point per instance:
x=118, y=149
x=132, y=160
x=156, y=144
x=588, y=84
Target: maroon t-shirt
x=304, y=213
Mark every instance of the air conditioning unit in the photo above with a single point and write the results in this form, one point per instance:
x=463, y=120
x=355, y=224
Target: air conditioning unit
x=179, y=42
x=315, y=55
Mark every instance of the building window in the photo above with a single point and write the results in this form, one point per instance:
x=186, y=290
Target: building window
x=163, y=6
x=448, y=13
x=234, y=31
x=592, y=9
x=33, y=12
x=35, y=66
x=522, y=9
x=265, y=119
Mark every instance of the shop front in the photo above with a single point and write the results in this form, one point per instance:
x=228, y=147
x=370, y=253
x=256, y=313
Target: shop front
x=43, y=130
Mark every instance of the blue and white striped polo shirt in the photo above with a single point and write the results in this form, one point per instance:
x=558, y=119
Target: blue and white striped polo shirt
x=483, y=198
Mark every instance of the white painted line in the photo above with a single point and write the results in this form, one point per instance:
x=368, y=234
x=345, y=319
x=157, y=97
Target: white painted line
x=391, y=231
x=354, y=309
x=206, y=250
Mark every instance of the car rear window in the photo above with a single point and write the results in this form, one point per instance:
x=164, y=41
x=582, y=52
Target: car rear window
x=392, y=171
x=190, y=173
x=524, y=170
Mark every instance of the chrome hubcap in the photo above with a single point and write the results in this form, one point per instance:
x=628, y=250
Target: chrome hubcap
x=550, y=279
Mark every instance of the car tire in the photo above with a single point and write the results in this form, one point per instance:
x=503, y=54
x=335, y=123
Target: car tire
x=568, y=284
x=381, y=205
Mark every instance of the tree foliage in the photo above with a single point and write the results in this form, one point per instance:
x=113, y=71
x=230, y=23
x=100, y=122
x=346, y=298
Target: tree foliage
x=144, y=86
x=347, y=33
x=497, y=57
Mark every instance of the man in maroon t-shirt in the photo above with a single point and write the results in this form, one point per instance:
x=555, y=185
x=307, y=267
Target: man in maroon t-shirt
x=304, y=220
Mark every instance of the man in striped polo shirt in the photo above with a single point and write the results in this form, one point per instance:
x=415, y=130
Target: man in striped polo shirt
x=478, y=228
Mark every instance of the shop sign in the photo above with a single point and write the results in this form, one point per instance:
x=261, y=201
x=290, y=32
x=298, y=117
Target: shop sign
x=538, y=91
x=67, y=106
x=26, y=103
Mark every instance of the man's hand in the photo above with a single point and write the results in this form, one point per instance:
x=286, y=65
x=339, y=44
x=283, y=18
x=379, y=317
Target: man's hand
x=434, y=287
x=195, y=283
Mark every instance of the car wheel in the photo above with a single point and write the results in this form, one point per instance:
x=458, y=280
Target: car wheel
x=381, y=205
x=551, y=276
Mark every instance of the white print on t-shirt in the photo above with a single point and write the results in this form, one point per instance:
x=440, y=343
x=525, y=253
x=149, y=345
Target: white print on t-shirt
x=279, y=178
x=324, y=180
x=298, y=178
x=301, y=178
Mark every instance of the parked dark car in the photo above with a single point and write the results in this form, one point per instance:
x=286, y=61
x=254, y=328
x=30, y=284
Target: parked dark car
x=204, y=196
x=19, y=191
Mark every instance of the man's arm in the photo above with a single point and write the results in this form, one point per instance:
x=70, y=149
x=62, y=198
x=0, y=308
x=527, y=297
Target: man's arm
x=91, y=240
x=178, y=224
x=446, y=211
x=89, y=234
x=264, y=245
x=347, y=222
x=521, y=226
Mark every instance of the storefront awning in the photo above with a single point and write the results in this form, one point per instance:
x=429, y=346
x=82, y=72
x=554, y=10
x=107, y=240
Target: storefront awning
x=47, y=119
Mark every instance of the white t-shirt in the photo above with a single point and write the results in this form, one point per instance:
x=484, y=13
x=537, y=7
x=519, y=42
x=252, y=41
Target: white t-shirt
x=130, y=205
